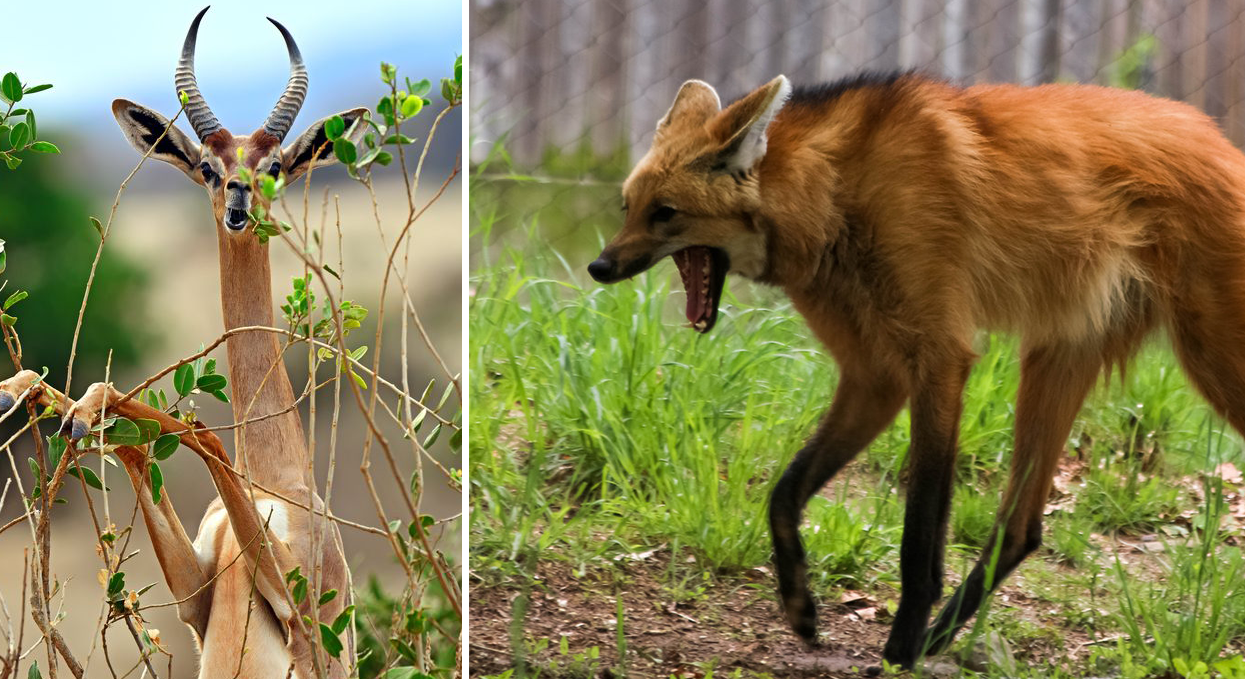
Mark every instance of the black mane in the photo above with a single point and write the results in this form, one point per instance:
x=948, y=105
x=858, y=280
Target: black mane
x=825, y=93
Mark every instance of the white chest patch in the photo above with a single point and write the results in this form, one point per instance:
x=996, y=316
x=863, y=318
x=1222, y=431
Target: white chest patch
x=273, y=514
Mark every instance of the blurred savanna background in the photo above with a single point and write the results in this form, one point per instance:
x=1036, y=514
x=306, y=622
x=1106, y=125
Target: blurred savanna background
x=621, y=463
x=155, y=296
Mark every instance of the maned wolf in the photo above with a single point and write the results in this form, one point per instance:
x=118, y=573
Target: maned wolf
x=901, y=214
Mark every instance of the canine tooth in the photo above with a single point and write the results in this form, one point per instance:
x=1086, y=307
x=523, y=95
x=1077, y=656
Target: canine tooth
x=699, y=325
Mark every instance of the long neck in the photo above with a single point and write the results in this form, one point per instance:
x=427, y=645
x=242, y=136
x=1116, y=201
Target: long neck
x=273, y=449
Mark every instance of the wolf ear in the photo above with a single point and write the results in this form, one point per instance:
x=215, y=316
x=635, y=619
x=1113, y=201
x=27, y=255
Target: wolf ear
x=695, y=103
x=744, y=123
x=313, y=148
x=143, y=126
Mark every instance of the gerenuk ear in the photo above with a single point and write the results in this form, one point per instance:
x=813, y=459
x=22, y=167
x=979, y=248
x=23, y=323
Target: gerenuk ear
x=695, y=103
x=744, y=123
x=313, y=148
x=143, y=126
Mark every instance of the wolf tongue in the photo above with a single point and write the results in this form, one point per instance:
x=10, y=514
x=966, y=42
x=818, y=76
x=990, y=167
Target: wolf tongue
x=692, y=262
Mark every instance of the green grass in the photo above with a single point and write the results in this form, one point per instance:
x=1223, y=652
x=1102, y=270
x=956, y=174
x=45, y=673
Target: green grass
x=601, y=425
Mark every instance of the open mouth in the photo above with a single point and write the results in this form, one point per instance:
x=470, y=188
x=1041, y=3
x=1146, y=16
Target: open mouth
x=235, y=219
x=703, y=270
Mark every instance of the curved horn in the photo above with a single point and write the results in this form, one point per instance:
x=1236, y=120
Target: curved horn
x=282, y=116
x=197, y=111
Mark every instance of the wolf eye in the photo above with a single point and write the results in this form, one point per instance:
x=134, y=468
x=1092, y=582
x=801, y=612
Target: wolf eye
x=209, y=175
x=663, y=214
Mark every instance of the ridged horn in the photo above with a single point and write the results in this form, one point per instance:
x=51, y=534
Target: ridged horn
x=197, y=111
x=283, y=114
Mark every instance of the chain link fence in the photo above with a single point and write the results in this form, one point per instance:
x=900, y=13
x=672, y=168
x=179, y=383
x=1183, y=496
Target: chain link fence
x=566, y=93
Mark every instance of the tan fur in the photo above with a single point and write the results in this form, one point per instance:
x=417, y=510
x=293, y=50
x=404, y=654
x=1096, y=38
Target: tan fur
x=903, y=216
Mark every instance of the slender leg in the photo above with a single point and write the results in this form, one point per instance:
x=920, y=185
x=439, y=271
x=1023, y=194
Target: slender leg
x=1053, y=385
x=268, y=558
x=936, y=407
x=863, y=406
x=174, y=550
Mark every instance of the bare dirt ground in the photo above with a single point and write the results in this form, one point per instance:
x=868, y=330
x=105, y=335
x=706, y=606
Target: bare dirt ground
x=734, y=624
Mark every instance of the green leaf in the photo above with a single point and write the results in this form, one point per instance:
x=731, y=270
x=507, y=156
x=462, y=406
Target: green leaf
x=124, y=432
x=342, y=619
x=30, y=122
x=432, y=437
x=458, y=69
x=165, y=446
x=333, y=127
x=399, y=139
x=184, y=379
x=404, y=649
x=384, y=158
x=388, y=72
x=56, y=450
x=33, y=673
x=426, y=521
x=11, y=87
x=116, y=584
x=35, y=472
x=329, y=640
x=345, y=151
x=37, y=88
x=8, y=320
x=220, y=396
x=11, y=161
x=157, y=481
x=300, y=590
x=211, y=383
x=149, y=430
x=98, y=226
x=44, y=147
x=411, y=106
x=89, y=477
x=15, y=298
x=327, y=597
x=268, y=186
x=385, y=108
x=19, y=135
x=405, y=673
x=420, y=88
x=417, y=622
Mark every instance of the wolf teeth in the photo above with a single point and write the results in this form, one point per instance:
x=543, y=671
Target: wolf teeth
x=700, y=325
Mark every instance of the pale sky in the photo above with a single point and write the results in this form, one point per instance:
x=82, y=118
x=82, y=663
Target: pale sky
x=95, y=51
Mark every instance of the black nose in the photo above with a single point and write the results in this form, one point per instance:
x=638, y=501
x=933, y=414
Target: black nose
x=602, y=270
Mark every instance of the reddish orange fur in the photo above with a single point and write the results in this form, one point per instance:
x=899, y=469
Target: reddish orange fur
x=903, y=216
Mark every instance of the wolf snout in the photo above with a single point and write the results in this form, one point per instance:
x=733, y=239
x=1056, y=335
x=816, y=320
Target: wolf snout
x=602, y=270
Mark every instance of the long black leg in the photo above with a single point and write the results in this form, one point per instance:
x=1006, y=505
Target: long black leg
x=862, y=407
x=1053, y=385
x=936, y=407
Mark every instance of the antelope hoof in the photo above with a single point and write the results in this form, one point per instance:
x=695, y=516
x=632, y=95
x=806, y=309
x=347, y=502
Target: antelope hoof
x=13, y=387
x=73, y=428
